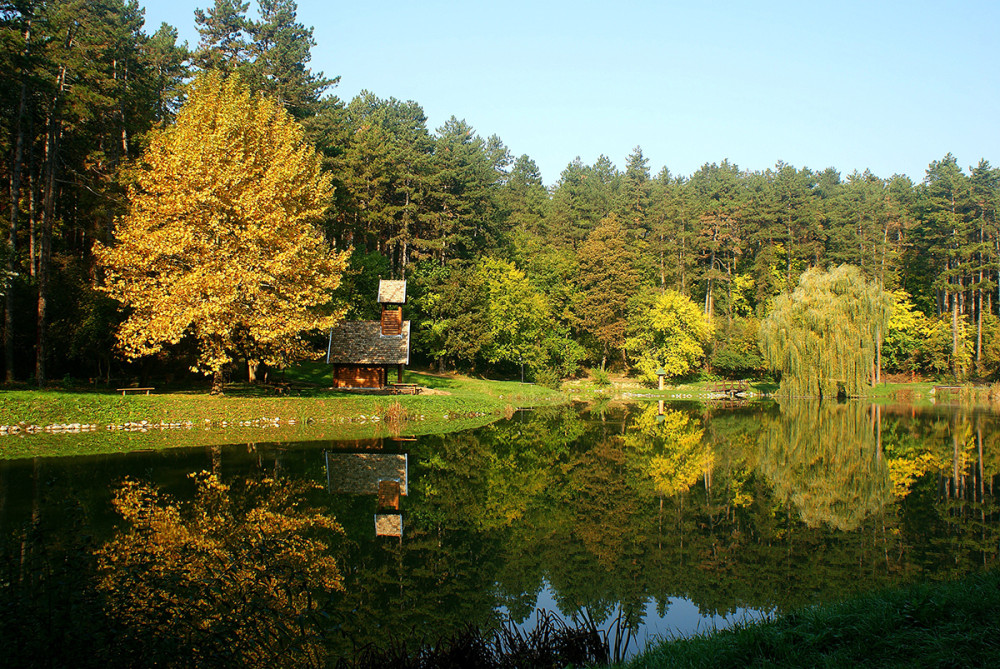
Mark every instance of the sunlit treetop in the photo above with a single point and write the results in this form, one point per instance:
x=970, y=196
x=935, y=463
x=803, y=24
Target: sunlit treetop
x=219, y=242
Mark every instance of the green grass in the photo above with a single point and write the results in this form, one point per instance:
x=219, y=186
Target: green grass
x=308, y=413
x=954, y=624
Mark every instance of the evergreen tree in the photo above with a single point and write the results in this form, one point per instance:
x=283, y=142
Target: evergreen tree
x=944, y=231
x=224, y=44
x=465, y=218
x=524, y=198
x=384, y=173
x=581, y=198
x=719, y=201
x=632, y=200
x=280, y=52
x=672, y=247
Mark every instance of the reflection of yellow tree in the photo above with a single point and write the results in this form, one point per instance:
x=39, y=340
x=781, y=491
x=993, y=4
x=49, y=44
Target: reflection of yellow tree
x=232, y=578
x=825, y=459
x=906, y=468
x=909, y=457
x=667, y=454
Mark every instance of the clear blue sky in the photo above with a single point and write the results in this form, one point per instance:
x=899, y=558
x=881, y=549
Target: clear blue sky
x=888, y=86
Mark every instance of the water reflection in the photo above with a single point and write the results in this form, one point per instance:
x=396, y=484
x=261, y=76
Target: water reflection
x=606, y=516
x=382, y=474
x=667, y=451
x=826, y=459
x=241, y=571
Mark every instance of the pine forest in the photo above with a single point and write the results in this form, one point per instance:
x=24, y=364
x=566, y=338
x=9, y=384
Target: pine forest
x=612, y=267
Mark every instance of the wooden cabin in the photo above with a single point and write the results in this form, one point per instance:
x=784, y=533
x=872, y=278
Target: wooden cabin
x=362, y=354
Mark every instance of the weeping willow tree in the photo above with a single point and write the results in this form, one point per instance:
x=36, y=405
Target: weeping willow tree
x=825, y=336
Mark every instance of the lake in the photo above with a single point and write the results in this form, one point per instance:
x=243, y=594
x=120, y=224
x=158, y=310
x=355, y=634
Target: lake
x=645, y=520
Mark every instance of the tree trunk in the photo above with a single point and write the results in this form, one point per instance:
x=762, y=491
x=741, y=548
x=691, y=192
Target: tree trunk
x=52, y=136
x=979, y=328
x=954, y=335
x=32, y=215
x=15, y=199
x=45, y=247
x=218, y=383
x=878, y=355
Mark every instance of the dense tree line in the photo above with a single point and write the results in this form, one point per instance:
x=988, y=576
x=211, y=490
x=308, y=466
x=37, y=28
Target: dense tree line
x=578, y=265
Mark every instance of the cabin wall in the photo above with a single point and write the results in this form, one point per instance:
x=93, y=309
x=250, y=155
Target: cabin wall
x=358, y=376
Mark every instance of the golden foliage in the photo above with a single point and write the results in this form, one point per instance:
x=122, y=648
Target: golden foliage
x=219, y=242
x=667, y=452
x=671, y=332
x=239, y=573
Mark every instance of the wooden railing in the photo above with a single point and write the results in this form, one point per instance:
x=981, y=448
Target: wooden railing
x=728, y=387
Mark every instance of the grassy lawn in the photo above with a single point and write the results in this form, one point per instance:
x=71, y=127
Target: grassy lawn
x=955, y=624
x=304, y=412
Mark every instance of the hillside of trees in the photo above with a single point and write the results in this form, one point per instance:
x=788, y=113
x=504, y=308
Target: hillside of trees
x=506, y=274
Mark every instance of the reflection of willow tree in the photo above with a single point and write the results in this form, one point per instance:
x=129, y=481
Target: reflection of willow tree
x=667, y=455
x=238, y=576
x=825, y=458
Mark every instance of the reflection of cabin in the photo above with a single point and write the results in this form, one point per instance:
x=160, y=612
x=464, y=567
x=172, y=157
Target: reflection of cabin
x=362, y=353
x=381, y=474
x=388, y=525
x=362, y=473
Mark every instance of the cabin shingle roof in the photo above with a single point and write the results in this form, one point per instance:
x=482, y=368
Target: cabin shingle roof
x=362, y=343
x=391, y=292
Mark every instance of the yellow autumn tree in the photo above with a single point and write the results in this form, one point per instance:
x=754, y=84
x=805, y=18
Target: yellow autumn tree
x=667, y=330
x=220, y=243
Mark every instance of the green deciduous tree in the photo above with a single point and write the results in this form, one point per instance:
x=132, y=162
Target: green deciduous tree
x=453, y=303
x=517, y=314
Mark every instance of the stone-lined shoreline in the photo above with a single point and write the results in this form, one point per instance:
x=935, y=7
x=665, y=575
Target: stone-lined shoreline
x=264, y=422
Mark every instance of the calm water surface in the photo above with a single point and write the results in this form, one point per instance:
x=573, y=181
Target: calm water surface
x=646, y=520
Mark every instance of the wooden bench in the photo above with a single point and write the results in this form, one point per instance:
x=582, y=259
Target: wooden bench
x=405, y=388
x=135, y=390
